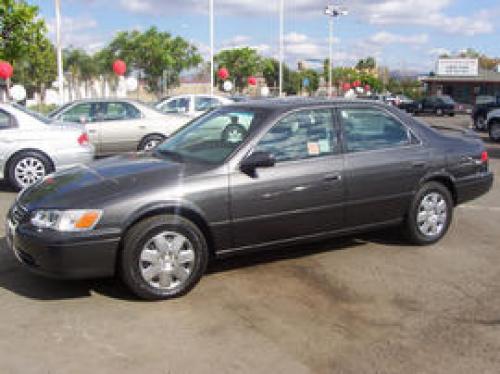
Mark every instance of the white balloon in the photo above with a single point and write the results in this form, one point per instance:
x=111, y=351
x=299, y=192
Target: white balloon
x=18, y=92
x=264, y=91
x=132, y=83
x=228, y=86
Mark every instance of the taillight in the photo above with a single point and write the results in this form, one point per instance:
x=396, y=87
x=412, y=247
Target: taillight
x=83, y=139
x=484, y=157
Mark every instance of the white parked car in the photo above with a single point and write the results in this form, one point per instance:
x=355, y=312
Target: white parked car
x=192, y=105
x=120, y=125
x=32, y=146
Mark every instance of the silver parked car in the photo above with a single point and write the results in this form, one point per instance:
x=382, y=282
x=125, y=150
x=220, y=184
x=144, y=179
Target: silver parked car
x=120, y=125
x=31, y=146
x=191, y=105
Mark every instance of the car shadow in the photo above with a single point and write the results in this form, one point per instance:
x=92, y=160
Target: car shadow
x=19, y=280
x=5, y=187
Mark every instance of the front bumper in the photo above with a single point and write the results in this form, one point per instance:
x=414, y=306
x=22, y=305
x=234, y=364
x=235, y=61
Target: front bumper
x=474, y=186
x=64, y=255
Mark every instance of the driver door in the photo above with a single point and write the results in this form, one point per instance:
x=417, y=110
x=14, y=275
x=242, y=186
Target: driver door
x=303, y=194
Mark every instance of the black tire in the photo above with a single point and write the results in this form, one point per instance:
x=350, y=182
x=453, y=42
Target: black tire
x=451, y=114
x=138, y=236
x=145, y=143
x=480, y=123
x=18, y=158
x=494, y=131
x=412, y=230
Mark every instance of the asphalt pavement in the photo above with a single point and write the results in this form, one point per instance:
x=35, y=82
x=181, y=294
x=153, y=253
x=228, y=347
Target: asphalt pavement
x=364, y=304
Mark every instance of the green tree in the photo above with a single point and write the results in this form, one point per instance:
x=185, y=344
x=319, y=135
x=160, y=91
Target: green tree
x=80, y=66
x=151, y=53
x=368, y=63
x=241, y=63
x=24, y=44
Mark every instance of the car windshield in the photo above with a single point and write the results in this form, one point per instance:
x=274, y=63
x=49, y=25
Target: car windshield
x=35, y=115
x=447, y=100
x=212, y=137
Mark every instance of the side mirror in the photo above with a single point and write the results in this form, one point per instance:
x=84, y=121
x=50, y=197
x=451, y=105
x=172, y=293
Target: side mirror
x=257, y=160
x=83, y=120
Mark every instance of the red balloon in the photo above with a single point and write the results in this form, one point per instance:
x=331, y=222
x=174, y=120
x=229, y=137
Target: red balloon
x=119, y=67
x=368, y=87
x=223, y=73
x=356, y=83
x=346, y=86
x=6, y=70
x=252, y=81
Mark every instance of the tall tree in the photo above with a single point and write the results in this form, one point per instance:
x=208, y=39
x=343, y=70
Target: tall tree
x=151, y=53
x=241, y=63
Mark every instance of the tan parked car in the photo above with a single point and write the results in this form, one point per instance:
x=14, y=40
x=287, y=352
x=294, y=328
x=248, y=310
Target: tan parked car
x=120, y=125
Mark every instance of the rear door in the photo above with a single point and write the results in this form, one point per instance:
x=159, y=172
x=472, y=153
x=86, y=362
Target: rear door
x=120, y=127
x=384, y=163
x=303, y=194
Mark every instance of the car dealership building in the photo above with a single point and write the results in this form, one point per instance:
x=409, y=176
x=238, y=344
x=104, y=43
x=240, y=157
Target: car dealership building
x=463, y=80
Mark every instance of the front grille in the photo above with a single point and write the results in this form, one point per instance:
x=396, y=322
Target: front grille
x=18, y=214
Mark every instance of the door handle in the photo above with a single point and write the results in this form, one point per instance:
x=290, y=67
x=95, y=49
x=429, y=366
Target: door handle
x=142, y=127
x=333, y=177
x=91, y=131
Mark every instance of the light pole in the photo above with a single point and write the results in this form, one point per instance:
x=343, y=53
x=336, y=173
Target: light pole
x=60, y=76
x=211, y=11
x=332, y=11
x=282, y=44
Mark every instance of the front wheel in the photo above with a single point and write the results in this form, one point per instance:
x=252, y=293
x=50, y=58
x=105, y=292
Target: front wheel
x=430, y=214
x=494, y=131
x=163, y=257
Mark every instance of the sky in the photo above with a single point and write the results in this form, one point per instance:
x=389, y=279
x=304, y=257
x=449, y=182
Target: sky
x=400, y=34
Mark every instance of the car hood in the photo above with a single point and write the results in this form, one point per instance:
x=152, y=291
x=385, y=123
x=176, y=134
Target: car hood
x=91, y=185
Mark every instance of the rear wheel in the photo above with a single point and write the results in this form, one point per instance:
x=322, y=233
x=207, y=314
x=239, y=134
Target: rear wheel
x=430, y=214
x=26, y=168
x=494, y=131
x=163, y=257
x=150, y=142
x=480, y=123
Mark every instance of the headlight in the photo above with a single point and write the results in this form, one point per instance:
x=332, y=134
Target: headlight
x=66, y=220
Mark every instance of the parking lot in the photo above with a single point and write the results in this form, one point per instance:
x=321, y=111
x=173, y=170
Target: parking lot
x=364, y=304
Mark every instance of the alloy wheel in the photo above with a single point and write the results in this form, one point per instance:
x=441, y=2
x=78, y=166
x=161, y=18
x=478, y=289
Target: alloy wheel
x=28, y=171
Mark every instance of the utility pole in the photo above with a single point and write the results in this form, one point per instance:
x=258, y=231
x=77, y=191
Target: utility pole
x=212, y=73
x=332, y=11
x=282, y=44
x=60, y=76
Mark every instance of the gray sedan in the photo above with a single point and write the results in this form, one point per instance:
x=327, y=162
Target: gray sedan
x=31, y=146
x=246, y=177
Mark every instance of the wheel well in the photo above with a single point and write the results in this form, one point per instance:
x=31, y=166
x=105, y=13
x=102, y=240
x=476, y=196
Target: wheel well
x=186, y=213
x=148, y=135
x=7, y=164
x=448, y=183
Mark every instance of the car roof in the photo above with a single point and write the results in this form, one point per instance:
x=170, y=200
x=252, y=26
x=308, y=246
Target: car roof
x=285, y=104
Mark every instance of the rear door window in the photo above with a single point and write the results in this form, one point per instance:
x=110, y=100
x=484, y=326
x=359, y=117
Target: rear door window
x=371, y=129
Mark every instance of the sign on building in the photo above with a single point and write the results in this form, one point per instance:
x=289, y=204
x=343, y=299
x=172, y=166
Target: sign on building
x=459, y=67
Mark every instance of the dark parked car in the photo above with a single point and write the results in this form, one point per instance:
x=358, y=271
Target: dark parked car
x=438, y=105
x=481, y=110
x=245, y=177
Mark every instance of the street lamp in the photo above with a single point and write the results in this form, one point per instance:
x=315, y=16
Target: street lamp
x=282, y=45
x=211, y=11
x=332, y=11
x=60, y=76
